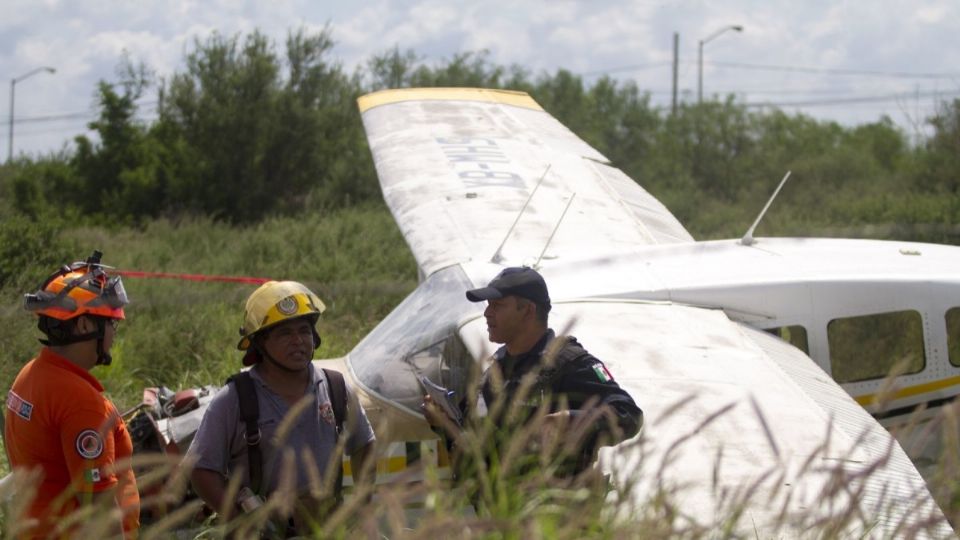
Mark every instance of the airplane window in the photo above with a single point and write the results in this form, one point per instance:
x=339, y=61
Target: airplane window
x=457, y=364
x=795, y=335
x=953, y=335
x=871, y=346
x=414, y=340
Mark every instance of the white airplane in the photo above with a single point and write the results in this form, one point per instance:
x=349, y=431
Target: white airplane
x=483, y=179
x=480, y=179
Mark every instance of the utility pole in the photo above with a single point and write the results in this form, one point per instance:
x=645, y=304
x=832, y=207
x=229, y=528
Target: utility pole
x=676, y=62
x=735, y=28
x=13, y=89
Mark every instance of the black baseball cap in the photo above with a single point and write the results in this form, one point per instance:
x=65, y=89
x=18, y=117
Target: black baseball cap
x=521, y=281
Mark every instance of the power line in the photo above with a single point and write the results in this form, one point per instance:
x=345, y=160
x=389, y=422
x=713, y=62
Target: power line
x=51, y=118
x=73, y=127
x=145, y=106
x=855, y=100
x=793, y=91
x=837, y=71
x=618, y=69
x=799, y=69
x=907, y=95
x=775, y=91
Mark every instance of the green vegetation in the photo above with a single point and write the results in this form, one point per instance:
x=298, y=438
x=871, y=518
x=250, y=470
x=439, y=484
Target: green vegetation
x=184, y=333
x=257, y=166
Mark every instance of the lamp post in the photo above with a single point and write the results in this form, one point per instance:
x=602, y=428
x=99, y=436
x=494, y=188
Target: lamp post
x=13, y=88
x=735, y=27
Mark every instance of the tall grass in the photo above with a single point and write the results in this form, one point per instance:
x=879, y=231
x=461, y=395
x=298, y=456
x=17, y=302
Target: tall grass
x=508, y=499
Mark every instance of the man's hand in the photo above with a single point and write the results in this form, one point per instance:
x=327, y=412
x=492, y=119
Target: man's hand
x=432, y=412
x=210, y=486
x=439, y=419
x=363, y=464
x=559, y=418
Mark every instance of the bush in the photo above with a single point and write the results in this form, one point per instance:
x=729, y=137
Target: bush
x=30, y=250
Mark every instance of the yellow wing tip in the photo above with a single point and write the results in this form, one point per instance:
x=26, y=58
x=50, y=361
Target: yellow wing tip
x=485, y=95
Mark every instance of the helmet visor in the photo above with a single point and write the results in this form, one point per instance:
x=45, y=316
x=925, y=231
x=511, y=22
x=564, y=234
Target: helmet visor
x=113, y=294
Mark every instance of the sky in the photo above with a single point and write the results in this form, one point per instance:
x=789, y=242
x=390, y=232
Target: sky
x=846, y=61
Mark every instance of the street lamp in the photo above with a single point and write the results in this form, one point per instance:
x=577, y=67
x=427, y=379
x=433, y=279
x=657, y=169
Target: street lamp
x=714, y=35
x=13, y=87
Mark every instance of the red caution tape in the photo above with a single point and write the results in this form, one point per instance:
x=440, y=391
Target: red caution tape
x=191, y=277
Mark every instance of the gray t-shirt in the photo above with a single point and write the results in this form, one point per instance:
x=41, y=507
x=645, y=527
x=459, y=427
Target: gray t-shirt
x=219, y=444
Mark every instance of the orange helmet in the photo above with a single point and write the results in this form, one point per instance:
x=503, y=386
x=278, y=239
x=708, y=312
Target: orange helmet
x=82, y=288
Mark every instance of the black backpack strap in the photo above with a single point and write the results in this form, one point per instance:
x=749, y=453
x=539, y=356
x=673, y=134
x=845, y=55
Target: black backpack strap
x=566, y=356
x=338, y=401
x=250, y=414
x=338, y=396
x=570, y=352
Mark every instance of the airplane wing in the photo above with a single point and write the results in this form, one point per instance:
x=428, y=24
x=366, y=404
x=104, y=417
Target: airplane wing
x=460, y=166
x=736, y=420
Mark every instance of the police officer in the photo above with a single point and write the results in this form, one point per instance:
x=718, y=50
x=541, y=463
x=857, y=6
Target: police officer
x=534, y=368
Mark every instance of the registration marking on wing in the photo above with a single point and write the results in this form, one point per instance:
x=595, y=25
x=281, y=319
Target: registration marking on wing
x=479, y=162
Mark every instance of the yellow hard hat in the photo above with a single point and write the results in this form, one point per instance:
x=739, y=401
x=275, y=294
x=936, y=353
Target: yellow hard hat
x=275, y=302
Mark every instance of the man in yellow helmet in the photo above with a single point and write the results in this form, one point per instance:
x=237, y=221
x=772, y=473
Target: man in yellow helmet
x=58, y=421
x=238, y=433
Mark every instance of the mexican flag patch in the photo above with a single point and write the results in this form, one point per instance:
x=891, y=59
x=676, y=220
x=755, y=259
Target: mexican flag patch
x=602, y=373
x=92, y=475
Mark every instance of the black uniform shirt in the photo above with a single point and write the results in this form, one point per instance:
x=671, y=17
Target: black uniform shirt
x=572, y=375
x=566, y=378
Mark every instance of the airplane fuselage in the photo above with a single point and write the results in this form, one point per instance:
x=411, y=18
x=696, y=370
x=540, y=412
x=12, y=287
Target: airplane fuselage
x=859, y=308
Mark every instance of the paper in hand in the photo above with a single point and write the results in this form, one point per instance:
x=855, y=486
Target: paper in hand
x=443, y=398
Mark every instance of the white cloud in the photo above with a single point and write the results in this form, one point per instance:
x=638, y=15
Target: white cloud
x=931, y=14
x=142, y=45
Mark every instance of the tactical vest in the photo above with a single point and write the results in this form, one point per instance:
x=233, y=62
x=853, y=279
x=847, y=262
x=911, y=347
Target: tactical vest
x=549, y=374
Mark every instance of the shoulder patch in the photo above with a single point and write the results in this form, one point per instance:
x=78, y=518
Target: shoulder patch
x=19, y=406
x=89, y=444
x=602, y=373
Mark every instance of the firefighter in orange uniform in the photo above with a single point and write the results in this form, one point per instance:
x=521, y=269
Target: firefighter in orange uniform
x=57, y=419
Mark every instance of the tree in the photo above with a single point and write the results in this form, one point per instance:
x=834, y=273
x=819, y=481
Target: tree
x=392, y=69
x=469, y=69
x=121, y=175
x=941, y=153
x=41, y=188
x=253, y=141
